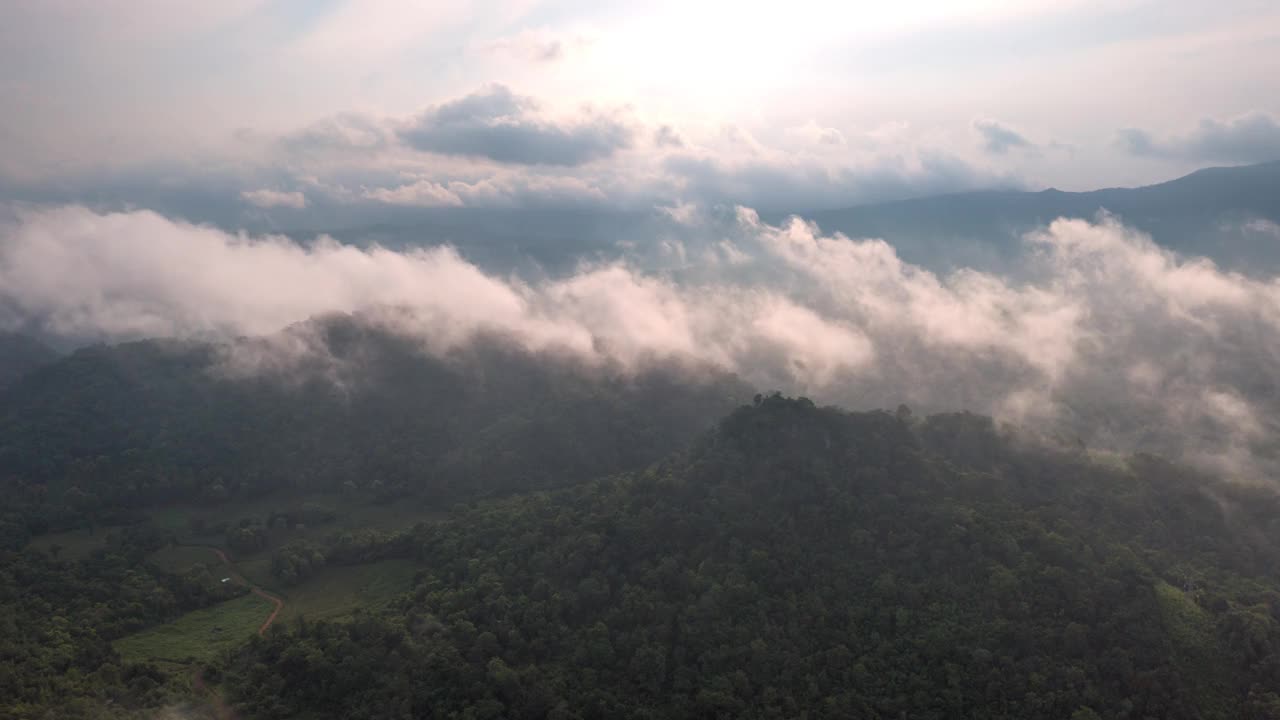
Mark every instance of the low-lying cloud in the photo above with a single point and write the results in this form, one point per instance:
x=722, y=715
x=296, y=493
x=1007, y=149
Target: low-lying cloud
x=1107, y=337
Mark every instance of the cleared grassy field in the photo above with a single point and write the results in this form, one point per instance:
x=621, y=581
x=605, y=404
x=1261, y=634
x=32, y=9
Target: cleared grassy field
x=198, y=635
x=256, y=569
x=183, y=520
x=338, y=591
x=180, y=558
x=72, y=545
x=1189, y=626
x=334, y=593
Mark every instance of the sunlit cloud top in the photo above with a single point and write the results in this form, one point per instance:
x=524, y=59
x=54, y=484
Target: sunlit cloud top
x=641, y=103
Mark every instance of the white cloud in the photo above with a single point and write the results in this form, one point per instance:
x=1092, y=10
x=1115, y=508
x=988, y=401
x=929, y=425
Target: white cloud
x=1112, y=338
x=683, y=213
x=267, y=198
x=422, y=193
x=539, y=46
x=1263, y=226
x=510, y=189
x=811, y=133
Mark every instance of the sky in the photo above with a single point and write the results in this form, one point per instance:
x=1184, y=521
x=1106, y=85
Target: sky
x=279, y=106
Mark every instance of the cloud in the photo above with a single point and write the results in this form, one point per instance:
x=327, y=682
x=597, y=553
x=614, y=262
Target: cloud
x=1108, y=337
x=422, y=193
x=537, y=46
x=682, y=213
x=502, y=190
x=667, y=137
x=1249, y=138
x=998, y=139
x=346, y=132
x=813, y=134
x=498, y=148
x=145, y=275
x=1262, y=226
x=266, y=198
x=1137, y=141
x=770, y=180
x=504, y=127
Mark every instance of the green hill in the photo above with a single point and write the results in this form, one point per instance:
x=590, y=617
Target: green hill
x=98, y=435
x=807, y=562
x=20, y=355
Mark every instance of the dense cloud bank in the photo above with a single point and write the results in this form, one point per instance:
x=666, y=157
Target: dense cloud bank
x=1107, y=339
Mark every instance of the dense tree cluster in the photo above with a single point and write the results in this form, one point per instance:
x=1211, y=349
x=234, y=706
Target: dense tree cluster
x=58, y=617
x=19, y=355
x=246, y=537
x=804, y=562
x=296, y=561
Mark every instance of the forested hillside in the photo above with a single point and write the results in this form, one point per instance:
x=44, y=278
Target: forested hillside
x=98, y=435
x=20, y=355
x=807, y=562
x=794, y=561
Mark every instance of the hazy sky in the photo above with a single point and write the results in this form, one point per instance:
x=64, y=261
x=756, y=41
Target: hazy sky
x=281, y=104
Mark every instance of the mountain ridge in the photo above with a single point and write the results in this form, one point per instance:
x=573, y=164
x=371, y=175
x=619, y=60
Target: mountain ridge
x=1206, y=213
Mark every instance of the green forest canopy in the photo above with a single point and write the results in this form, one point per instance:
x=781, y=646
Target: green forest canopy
x=609, y=556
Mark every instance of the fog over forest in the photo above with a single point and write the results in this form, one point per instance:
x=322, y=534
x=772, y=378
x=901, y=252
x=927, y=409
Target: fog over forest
x=1102, y=338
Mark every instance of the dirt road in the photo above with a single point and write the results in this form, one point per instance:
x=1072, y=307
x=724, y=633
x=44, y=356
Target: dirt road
x=239, y=579
x=221, y=709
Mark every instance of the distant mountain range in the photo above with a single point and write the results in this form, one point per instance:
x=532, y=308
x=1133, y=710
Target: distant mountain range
x=1228, y=214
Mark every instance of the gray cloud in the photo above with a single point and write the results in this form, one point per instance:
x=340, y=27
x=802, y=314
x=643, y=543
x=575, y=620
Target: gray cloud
x=504, y=151
x=998, y=139
x=781, y=185
x=1109, y=338
x=1137, y=141
x=667, y=137
x=267, y=198
x=502, y=126
x=346, y=132
x=1250, y=138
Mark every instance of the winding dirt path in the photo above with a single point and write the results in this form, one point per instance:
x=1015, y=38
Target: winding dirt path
x=239, y=579
x=220, y=707
x=272, y=617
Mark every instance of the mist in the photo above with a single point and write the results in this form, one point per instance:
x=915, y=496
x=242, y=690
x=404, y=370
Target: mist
x=1103, y=338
